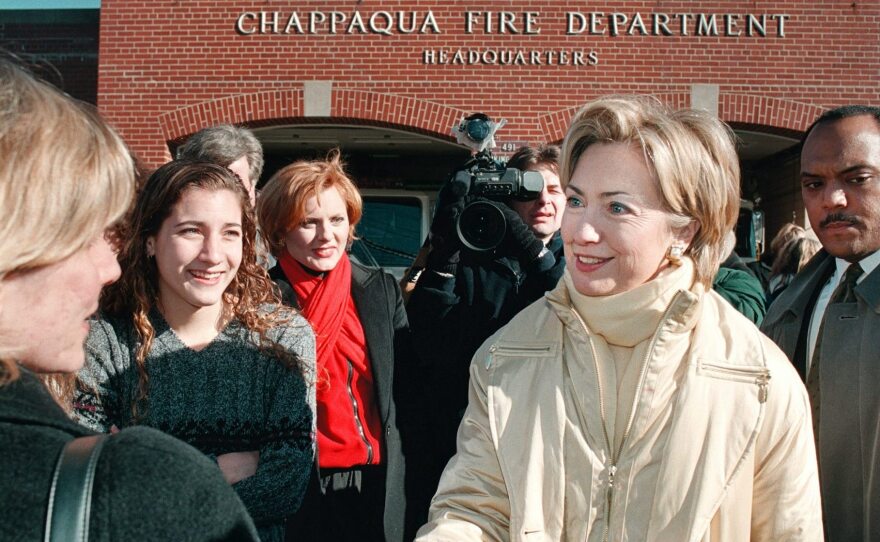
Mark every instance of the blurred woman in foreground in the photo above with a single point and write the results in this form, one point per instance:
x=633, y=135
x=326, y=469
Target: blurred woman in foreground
x=632, y=402
x=65, y=179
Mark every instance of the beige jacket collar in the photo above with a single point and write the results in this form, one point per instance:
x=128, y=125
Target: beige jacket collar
x=628, y=318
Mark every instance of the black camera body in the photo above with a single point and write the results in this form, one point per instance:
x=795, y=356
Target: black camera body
x=488, y=178
x=481, y=226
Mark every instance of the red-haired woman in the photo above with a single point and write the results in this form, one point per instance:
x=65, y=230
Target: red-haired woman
x=308, y=212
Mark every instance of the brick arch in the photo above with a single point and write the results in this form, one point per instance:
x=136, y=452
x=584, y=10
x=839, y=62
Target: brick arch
x=767, y=114
x=745, y=111
x=555, y=125
x=412, y=114
x=286, y=106
x=246, y=109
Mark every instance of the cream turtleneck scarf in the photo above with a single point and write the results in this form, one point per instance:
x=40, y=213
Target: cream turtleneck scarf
x=623, y=325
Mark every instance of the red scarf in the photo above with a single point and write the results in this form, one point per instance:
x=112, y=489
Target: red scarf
x=344, y=371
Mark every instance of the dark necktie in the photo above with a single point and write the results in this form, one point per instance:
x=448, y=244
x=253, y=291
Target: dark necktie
x=844, y=293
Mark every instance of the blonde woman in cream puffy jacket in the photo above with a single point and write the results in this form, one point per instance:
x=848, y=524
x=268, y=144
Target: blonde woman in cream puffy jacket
x=632, y=403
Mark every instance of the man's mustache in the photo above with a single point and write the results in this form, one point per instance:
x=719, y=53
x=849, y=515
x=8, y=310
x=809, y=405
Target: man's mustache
x=840, y=217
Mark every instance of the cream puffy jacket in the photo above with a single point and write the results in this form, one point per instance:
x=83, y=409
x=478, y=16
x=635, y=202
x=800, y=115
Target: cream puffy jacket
x=721, y=450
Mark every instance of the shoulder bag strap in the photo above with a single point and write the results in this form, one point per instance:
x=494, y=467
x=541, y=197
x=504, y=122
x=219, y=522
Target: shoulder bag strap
x=70, y=496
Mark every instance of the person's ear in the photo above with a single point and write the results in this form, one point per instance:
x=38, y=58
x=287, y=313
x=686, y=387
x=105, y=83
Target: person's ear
x=685, y=236
x=151, y=247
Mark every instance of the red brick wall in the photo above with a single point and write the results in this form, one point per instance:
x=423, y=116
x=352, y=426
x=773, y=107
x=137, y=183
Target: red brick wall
x=169, y=67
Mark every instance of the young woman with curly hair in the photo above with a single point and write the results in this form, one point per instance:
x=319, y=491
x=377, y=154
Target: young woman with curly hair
x=191, y=341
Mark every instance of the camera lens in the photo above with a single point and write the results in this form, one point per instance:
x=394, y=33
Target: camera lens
x=481, y=226
x=477, y=129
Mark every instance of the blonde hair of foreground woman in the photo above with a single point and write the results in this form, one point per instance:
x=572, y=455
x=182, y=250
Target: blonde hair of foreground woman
x=65, y=175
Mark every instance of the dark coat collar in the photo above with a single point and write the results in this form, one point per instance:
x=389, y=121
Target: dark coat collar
x=26, y=400
x=796, y=297
x=555, y=244
x=362, y=275
x=869, y=290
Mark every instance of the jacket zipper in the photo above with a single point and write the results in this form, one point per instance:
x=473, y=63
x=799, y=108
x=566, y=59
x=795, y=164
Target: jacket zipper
x=519, y=349
x=357, y=419
x=759, y=376
x=615, y=454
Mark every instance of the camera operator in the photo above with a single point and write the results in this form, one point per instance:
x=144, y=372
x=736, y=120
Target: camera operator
x=464, y=296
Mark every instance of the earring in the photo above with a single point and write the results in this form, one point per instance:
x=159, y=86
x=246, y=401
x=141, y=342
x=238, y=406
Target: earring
x=674, y=254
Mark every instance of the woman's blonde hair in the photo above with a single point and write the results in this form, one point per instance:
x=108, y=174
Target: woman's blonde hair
x=794, y=255
x=64, y=177
x=787, y=233
x=282, y=202
x=691, y=154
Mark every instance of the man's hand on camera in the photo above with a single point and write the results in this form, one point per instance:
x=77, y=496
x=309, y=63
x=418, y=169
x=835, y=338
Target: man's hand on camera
x=519, y=241
x=445, y=245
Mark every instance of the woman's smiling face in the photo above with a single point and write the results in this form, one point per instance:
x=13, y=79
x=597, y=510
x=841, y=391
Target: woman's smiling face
x=198, y=250
x=615, y=230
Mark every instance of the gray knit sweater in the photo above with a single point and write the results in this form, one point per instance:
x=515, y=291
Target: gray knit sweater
x=229, y=396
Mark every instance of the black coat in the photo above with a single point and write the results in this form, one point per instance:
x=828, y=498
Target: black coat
x=148, y=486
x=451, y=316
x=379, y=306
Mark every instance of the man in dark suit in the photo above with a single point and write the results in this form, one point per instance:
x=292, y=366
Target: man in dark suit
x=828, y=319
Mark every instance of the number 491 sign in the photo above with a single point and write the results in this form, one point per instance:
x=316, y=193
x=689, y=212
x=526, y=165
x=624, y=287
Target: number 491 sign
x=509, y=147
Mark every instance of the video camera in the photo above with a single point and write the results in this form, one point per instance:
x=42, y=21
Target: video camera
x=481, y=226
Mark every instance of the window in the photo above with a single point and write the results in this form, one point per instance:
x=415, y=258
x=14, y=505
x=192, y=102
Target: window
x=390, y=232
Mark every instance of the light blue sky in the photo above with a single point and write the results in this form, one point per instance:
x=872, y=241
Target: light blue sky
x=49, y=4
